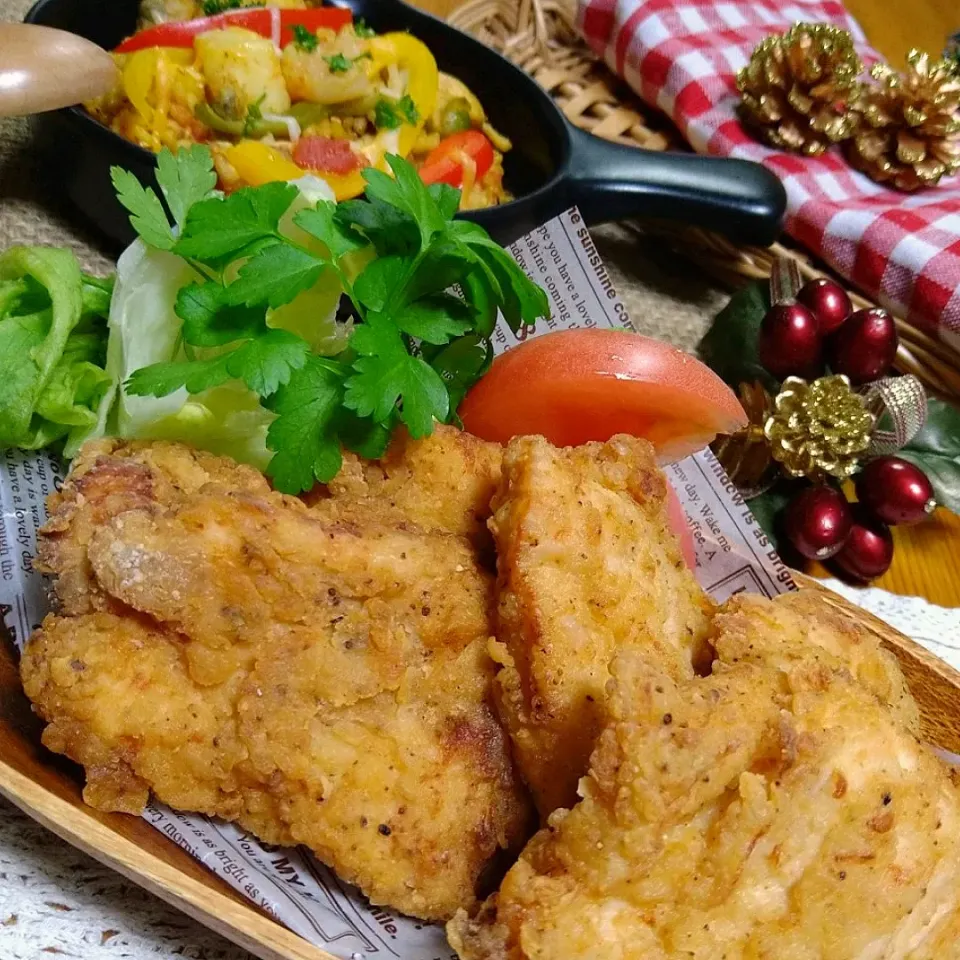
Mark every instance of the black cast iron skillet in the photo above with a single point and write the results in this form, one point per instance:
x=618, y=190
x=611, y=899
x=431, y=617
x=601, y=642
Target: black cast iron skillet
x=552, y=165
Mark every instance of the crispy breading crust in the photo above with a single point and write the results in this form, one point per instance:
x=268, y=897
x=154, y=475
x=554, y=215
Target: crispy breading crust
x=319, y=679
x=443, y=482
x=777, y=808
x=587, y=566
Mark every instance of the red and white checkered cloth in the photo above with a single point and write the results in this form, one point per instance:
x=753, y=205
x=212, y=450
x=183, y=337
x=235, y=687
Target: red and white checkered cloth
x=902, y=250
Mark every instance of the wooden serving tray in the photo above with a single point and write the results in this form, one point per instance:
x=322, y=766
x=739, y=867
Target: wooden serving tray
x=48, y=789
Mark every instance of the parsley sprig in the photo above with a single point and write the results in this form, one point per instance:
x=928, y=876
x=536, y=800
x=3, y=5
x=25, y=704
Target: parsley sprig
x=425, y=300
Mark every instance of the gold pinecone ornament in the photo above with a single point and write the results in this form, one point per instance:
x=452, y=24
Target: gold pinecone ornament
x=909, y=135
x=819, y=428
x=745, y=455
x=798, y=90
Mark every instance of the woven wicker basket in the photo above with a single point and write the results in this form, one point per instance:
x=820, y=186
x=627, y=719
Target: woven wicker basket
x=541, y=37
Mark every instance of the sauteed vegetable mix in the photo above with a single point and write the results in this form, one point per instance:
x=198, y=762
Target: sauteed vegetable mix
x=283, y=90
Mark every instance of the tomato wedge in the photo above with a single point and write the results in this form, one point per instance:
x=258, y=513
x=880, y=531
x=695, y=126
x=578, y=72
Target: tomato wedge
x=326, y=155
x=268, y=22
x=572, y=386
x=444, y=164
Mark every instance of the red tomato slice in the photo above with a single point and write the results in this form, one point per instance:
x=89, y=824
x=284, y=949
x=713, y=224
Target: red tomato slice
x=443, y=163
x=578, y=385
x=258, y=19
x=326, y=155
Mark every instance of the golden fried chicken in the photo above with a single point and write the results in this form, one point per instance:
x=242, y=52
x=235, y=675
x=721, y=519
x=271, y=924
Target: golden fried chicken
x=316, y=679
x=443, y=482
x=799, y=629
x=587, y=567
x=109, y=476
x=776, y=809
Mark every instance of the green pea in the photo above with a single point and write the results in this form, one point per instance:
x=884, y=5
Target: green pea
x=455, y=117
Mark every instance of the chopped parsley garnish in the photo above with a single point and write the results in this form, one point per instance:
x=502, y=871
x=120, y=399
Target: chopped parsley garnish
x=304, y=39
x=361, y=29
x=338, y=63
x=213, y=7
x=389, y=114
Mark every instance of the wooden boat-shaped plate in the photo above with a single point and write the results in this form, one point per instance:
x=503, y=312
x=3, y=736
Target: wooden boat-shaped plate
x=48, y=789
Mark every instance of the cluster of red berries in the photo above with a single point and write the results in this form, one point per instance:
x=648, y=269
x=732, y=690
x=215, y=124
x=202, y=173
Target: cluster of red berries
x=799, y=339
x=821, y=327
x=820, y=523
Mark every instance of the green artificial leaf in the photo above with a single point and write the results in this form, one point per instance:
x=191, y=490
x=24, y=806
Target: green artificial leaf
x=385, y=374
x=321, y=222
x=224, y=226
x=147, y=215
x=304, y=435
x=936, y=451
x=380, y=281
x=435, y=319
x=729, y=347
x=304, y=39
x=185, y=178
x=162, y=379
x=209, y=322
x=338, y=63
x=267, y=362
x=768, y=507
x=275, y=275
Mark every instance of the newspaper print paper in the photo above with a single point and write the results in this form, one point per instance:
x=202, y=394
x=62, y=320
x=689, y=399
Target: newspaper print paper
x=733, y=555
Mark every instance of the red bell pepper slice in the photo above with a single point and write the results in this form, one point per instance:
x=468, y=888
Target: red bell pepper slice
x=443, y=164
x=263, y=20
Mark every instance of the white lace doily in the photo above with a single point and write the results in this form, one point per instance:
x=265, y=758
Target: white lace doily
x=56, y=901
x=936, y=628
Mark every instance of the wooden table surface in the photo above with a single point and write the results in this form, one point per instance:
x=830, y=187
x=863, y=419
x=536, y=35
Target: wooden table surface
x=927, y=558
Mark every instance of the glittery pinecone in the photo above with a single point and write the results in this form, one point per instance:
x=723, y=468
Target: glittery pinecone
x=799, y=89
x=745, y=455
x=909, y=136
x=819, y=428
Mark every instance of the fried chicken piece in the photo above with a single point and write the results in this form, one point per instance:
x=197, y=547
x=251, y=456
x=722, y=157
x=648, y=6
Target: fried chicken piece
x=317, y=680
x=587, y=567
x=443, y=482
x=774, y=809
x=800, y=630
x=109, y=476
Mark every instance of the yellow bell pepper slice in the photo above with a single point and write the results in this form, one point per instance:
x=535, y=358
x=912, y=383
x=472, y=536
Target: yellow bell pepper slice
x=140, y=74
x=423, y=82
x=257, y=163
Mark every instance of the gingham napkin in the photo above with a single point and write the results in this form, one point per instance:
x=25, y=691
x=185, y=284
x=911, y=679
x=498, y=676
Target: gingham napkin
x=682, y=56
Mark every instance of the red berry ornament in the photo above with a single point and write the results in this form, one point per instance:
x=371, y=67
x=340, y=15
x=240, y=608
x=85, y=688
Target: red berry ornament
x=895, y=491
x=864, y=346
x=868, y=551
x=827, y=301
x=789, y=343
x=818, y=522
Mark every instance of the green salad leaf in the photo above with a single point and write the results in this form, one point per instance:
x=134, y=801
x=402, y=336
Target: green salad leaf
x=52, y=331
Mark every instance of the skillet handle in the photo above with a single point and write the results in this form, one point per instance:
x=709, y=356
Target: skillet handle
x=738, y=198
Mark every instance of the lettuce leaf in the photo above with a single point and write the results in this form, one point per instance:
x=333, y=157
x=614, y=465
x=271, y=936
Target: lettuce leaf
x=51, y=330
